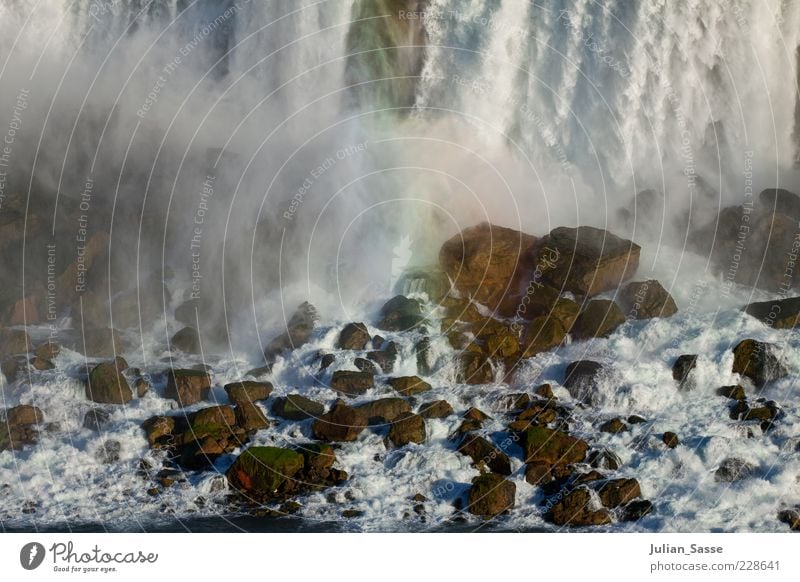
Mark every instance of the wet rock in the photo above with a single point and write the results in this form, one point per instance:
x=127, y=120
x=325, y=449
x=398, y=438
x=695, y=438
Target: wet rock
x=545, y=391
x=248, y=391
x=11, y=367
x=352, y=384
x=542, y=444
x=159, y=430
x=436, y=409
x=734, y=469
x=48, y=350
x=577, y=509
x=604, y=459
x=20, y=427
x=107, y=385
x=409, y=385
x=618, y=492
x=581, y=380
x=482, y=452
x=682, y=367
x=765, y=413
x=407, y=428
x=354, y=336
x=636, y=419
x=24, y=414
x=614, y=426
x=790, y=517
x=636, y=510
x=325, y=361
x=422, y=349
x=265, y=472
x=142, y=387
x=543, y=334
x=14, y=342
x=590, y=260
x=41, y=364
x=646, y=299
x=515, y=401
x=187, y=387
x=384, y=410
x=99, y=343
x=779, y=313
x=756, y=360
x=474, y=369
x=385, y=359
x=670, y=439
x=732, y=392
x=401, y=314
x=365, y=365
x=296, y=407
x=186, y=340
x=599, y=319
x=95, y=419
x=342, y=423
x=485, y=260
x=250, y=417
x=491, y=495
x=298, y=332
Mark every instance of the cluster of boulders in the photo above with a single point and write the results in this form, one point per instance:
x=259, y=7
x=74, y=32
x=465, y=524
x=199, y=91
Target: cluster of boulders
x=20, y=426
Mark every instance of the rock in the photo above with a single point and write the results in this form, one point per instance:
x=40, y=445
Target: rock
x=159, y=430
x=779, y=313
x=599, y=319
x=581, y=380
x=474, y=369
x=20, y=427
x=614, y=426
x=756, y=360
x=187, y=340
x=352, y=384
x=342, y=423
x=263, y=472
x=248, y=391
x=187, y=387
x=732, y=392
x=365, y=365
x=422, y=349
x=780, y=201
x=385, y=359
x=99, y=343
x=670, y=439
x=545, y=391
x=212, y=419
x=409, y=385
x=491, y=495
x=542, y=334
x=483, y=452
x=41, y=364
x=14, y=341
x=436, y=409
x=542, y=444
x=109, y=452
x=48, y=350
x=604, y=459
x=538, y=473
x=142, y=387
x=791, y=517
x=24, y=414
x=578, y=509
x=484, y=261
x=515, y=401
x=354, y=336
x=296, y=407
x=319, y=459
x=11, y=367
x=107, y=385
x=636, y=510
x=590, y=260
x=765, y=413
x=401, y=314
x=298, y=332
x=95, y=419
x=733, y=469
x=407, y=428
x=384, y=410
x=636, y=419
x=250, y=417
x=682, y=366
x=616, y=492
x=646, y=299
x=326, y=361
x=475, y=414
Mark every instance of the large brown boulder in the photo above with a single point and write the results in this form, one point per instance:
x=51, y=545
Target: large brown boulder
x=354, y=336
x=599, y=319
x=779, y=313
x=483, y=452
x=20, y=427
x=248, y=391
x=491, y=495
x=617, y=492
x=436, y=409
x=553, y=447
x=188, y=386
x=342, y=423
x=107, y=385
x=646, y=299
x=250, y=417
x=409, y=385
x=298, y=332
x=756, y=360
x=485, y=261
x=407, y=428
x=352, y=383
x=186, y=340
x=401, y=314
x=581, y=380
x=384, y=410
x=263, y=472
x=297, y=407
x=543, y=334
x=14, y=341
x=474, y=368
x=577, y=509
x=590, y=260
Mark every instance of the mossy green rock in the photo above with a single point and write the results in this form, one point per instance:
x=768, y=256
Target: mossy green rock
x=553, y=447
x=262, y=471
